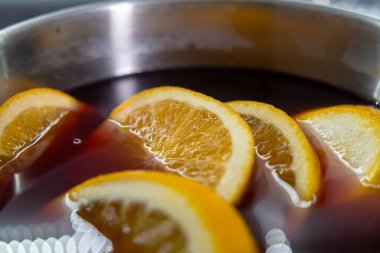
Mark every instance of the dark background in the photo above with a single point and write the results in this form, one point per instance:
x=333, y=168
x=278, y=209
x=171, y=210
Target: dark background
x=13, y=11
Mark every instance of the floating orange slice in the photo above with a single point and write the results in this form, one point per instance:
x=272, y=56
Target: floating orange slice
x=27, y=116
x=158, y=212
x=352, y=134
x=280, y=142
x=192, y=135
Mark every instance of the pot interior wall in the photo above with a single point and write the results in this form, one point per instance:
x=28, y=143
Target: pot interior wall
x=87, y=44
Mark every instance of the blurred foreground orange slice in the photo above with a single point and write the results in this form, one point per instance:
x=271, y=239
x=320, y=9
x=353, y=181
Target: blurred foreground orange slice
x=352, y=134
x=146, y=212
x=192, y=135
x=27, y=116
x=280, y=142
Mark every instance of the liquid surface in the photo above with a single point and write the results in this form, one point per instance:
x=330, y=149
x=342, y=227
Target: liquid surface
x=330, y=225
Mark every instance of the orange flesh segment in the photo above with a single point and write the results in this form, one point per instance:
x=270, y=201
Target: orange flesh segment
x=16, y=136
x=284, y=148
x=272, y=147
x=135, y=228
x=25, y=118
x=184, y=150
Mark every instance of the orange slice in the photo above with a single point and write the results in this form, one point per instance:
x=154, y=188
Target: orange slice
x=352, y=134
x=147, y=211
x=280, y=142
x=27, y=116
x=192, y=135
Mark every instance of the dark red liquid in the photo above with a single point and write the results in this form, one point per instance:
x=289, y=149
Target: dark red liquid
x=352, y=225
x=36, y=184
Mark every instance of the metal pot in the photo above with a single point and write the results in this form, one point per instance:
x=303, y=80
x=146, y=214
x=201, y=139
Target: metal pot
x=81, y=45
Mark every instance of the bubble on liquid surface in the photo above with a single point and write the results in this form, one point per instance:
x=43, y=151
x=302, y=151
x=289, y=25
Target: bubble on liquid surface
x=77, y=141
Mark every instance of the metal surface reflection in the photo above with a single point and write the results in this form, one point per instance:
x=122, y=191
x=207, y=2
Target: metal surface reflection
x=121, y=39
x=367, y=7
x=86, y=44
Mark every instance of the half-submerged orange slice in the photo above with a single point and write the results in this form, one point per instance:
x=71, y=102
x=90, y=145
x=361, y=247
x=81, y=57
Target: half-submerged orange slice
x=192, y=135
x=145, y=211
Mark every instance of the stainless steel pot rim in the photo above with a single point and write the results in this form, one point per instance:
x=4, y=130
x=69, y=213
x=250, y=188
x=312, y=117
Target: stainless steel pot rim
x=72, y=11
x=106, y=40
